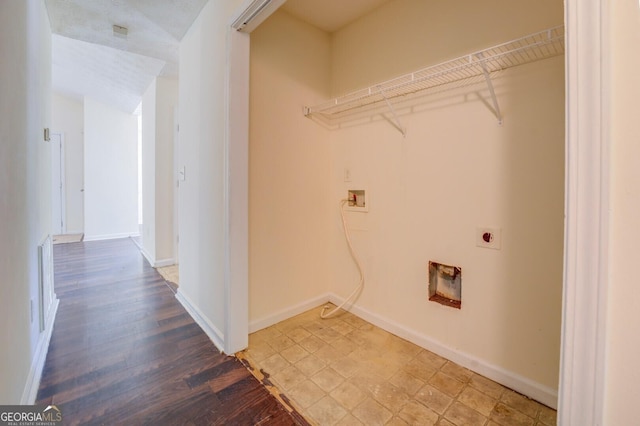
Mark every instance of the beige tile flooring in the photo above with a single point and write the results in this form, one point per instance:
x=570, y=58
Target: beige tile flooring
x=345, y=371
x=170, y=273
x=67, y=238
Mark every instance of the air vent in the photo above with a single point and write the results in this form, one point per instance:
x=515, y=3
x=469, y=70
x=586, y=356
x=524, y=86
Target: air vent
x=119, y=31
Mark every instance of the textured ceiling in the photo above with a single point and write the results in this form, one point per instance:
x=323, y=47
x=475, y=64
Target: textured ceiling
x=108, y=75
x=88, y=60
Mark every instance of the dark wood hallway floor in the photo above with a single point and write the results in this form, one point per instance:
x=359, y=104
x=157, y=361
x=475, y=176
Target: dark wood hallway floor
x=124, y=351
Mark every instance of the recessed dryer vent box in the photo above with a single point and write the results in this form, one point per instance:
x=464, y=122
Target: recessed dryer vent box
x=357, y=200
x=445, y=284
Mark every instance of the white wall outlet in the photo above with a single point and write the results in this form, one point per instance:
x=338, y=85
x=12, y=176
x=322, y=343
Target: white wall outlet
x=489, y=238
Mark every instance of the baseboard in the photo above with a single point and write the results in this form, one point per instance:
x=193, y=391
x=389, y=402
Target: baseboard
x=163, y=262
x=289, y=312
x=216, y=336
x=525, y=386
x=30, y=392
x=136, y=241
x=152, y=262
x=109, y=236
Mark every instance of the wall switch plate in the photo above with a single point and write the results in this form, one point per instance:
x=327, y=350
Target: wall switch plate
x=347, y=174
x=489, y=238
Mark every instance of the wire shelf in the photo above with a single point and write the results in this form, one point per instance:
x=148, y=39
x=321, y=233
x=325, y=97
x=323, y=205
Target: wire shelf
x=533, y=47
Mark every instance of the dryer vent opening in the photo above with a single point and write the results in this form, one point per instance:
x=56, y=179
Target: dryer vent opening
x=445, y=284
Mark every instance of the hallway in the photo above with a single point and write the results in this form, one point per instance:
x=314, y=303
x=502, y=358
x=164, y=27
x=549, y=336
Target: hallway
x=124, y=351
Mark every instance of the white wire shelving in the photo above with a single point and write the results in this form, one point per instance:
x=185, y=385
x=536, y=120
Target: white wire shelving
x=477, y=65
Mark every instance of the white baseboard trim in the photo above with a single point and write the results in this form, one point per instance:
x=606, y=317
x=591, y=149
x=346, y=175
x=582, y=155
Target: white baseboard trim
x=163, y=262
x=152, y=262
x=528, y=387
x=30, y=392
x=216, y=336
x=145, y=254
x=284, y=314
x=110, y=236
x=136, y=242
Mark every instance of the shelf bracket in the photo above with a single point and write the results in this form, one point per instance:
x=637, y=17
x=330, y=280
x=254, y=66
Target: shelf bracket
x=396, y=121
x=487, y=77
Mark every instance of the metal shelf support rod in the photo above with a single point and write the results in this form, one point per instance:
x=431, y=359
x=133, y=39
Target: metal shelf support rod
x=396, y=121
x=487, y=78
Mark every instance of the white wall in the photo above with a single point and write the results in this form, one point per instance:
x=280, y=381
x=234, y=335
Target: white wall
x=148, y=123
x=166, y=102
x=25, y=182
x=622, y=387
x=158, y=105
x=110, y=172
x=202, y=133
x=68, y=118
x=290, y=210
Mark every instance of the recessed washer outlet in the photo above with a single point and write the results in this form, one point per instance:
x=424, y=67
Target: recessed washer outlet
x=357, y=200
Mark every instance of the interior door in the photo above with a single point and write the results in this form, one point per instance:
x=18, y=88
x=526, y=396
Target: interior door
x=57, y=185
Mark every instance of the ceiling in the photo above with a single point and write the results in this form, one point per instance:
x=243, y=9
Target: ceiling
x=330, y=15
x=89, y=60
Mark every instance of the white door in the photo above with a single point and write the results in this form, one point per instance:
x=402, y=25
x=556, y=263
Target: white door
x=57, y=184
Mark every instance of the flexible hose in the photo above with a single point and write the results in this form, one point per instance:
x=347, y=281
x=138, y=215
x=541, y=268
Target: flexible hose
x=360, y=285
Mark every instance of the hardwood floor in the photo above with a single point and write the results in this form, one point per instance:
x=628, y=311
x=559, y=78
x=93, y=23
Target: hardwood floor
x=124, y=351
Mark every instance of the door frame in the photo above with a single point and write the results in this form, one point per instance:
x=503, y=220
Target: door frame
x=63, y=183
x=585, y=281
x=581, y=396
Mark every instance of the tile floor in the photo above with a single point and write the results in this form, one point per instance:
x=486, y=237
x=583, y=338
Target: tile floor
x=170, y=273
x=67, y=238
x=345, y=371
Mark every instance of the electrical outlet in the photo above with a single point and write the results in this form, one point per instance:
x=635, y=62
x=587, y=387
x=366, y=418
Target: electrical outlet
x=489, y=238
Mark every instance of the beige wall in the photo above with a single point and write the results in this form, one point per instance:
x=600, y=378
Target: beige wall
x=622, y=388
x=290, y=210
x=457, y=170
x=405, y=35
x=68, y=118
